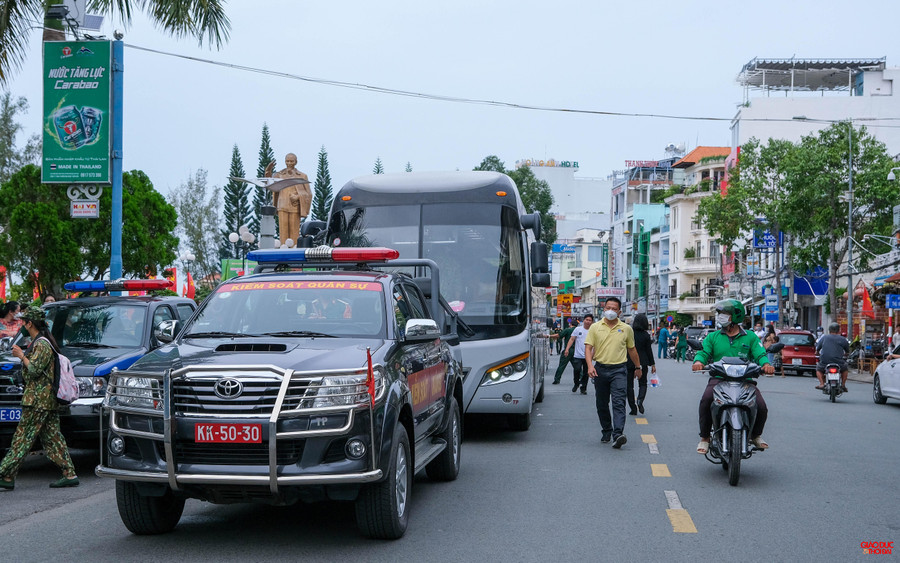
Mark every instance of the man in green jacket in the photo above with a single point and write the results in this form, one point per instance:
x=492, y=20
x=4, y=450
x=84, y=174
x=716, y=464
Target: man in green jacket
x=731, y=341
x=563, y=357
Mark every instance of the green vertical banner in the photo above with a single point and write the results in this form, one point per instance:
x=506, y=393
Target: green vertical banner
x=77, y=99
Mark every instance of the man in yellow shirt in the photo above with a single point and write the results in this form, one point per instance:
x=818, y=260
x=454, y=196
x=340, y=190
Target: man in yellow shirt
x=607, y=344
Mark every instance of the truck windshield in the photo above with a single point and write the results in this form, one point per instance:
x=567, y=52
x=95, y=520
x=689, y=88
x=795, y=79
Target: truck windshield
x=292, y=308
x=115, y=325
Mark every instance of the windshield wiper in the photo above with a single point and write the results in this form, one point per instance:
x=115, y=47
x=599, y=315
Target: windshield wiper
x=87, y=345
x=217, y=334
x=299, y=333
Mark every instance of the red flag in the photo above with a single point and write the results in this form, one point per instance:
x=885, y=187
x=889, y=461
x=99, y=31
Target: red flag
x=191, y=289
x=370, y=377
x=867, y=304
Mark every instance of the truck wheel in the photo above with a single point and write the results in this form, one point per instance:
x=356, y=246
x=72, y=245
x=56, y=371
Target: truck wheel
x=520, y=422
x=382, y=509
x=144, y=515
x=540, y=395
x=445, y=467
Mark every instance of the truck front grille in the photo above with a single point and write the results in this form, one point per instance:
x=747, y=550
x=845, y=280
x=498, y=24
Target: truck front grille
x=10, y=390
x=197, y=396
x=289, y=452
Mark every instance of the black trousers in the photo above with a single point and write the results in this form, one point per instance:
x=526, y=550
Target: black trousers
x=762, y=411
x=642, y=386
x=579, y=373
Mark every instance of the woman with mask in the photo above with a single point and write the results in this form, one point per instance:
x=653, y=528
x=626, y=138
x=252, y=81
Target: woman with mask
x=644, y=347
x=9, y=324
x=680, y=344
x=40, y=411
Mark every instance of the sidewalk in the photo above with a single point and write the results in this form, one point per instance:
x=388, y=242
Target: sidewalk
x=860, y=376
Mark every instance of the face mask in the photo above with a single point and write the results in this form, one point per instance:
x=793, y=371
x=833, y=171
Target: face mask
x=610, y=315
x=723, y=320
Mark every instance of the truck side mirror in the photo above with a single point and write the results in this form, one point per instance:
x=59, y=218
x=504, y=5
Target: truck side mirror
x=166, y=331
x=308, y=232
x=532, y=221
x=540, y=280
x=540, y=263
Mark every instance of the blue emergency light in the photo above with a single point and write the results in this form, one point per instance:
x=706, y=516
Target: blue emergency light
x=118, y=285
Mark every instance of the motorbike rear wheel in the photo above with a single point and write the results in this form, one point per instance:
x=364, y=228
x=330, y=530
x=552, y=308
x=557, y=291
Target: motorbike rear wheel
x=735, y=453
x=832, y=392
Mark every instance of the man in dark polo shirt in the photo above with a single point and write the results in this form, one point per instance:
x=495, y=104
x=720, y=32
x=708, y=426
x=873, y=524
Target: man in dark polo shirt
x=607, y=344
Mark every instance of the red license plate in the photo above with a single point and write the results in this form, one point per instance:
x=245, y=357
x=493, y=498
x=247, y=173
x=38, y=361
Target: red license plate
x=228, y=433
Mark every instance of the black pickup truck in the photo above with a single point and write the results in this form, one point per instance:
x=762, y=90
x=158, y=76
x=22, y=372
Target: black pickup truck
x=332, y=381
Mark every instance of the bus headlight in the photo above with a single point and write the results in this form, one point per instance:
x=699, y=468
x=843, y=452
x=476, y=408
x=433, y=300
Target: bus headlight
x=512, y=369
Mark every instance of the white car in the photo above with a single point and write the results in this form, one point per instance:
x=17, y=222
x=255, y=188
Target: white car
x=887, y=379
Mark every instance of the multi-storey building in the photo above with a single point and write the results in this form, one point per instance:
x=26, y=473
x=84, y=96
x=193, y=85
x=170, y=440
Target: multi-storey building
x=694, y=269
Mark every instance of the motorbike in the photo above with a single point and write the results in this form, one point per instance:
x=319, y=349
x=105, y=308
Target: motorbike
x=833, y=386
x=733, y=411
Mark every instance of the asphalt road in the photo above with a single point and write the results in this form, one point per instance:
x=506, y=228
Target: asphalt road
x=554, y=493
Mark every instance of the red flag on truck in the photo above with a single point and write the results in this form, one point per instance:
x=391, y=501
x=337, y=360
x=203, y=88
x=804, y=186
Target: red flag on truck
x=370, y=377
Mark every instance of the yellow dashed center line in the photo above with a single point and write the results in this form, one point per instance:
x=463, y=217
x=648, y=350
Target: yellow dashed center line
x=640, y=421
x=660, y=470
x=648, y=438
x=681, y=521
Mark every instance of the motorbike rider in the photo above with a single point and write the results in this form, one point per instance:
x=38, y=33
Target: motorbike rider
x=731, y=340
x=832, y=348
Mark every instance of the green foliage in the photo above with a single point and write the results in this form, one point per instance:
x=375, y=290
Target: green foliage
x=660, y=196
x=379, y=167
x=12, y=158
x=323, y=196
x=198, y=223
x=261, y=195
x=236, y=210
x=39, y=235
x=710, y=159
x=202, y=292
x=536, y=195
x=204, y=20
x=408, y=166
x=690, y=252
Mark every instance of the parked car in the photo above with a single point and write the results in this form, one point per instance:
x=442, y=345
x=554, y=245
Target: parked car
x=886, y=384
x=799, y=353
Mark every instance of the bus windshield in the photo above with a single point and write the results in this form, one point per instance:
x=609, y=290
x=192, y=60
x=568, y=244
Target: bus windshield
x=477, y=246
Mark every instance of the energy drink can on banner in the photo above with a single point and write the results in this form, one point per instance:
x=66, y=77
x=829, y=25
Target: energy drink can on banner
x=69, y=127
x=91, y=118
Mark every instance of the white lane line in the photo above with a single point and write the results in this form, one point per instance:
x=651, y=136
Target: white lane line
x=654, y=448
x=672, y=499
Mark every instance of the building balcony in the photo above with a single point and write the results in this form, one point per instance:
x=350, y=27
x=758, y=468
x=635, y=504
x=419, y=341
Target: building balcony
x=699, y=265
x=690, y=305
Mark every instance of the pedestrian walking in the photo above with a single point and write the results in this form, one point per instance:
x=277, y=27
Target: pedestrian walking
x=680, y=344
x=767, y=340
x=645, y=352
x=662, y=342
x=40, y=414
x=607, y=345
x=564, y=358
x=579, y=367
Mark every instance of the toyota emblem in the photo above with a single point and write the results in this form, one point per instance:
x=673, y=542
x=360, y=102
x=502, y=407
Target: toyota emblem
x=228, y=388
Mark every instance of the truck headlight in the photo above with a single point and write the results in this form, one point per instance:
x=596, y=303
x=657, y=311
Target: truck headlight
x=341, y=391
x=91, y=386
x=141, y=392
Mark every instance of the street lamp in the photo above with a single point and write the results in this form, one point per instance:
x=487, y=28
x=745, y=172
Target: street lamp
x=243, y=239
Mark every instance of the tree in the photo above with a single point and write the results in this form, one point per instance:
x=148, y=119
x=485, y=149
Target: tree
x=11, y=158
x=67, y=248
x=148, y=224
x=204, y=20
x=198, y=223
x=321, y=204
x=236, y=210
x=536, y=194
x=408, y=166
x=261, y=195
x=379, y=168
x=801, y=189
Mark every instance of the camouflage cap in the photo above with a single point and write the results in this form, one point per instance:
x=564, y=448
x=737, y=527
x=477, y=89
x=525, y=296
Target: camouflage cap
x=32, y=314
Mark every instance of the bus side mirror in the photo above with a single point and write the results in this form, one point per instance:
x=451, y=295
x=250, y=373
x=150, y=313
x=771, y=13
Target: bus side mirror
x=308, y=232
x=540, y=280
x=532, y=221
x=540, y=263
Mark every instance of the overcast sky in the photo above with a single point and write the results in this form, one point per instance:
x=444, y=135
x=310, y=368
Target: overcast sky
x=642, y=56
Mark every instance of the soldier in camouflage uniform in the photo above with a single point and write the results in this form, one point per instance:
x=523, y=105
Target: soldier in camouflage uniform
x=40, y=414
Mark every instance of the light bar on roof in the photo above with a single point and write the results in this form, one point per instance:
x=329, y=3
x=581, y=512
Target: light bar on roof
x=118, y=285
x=323, y=254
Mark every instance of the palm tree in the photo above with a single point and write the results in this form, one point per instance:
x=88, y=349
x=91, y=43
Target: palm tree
x=201, y=19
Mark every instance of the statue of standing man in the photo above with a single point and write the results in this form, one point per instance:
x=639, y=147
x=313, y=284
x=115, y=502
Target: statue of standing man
x=293, y=202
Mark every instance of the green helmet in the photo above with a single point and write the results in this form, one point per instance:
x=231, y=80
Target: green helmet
x=732, y=307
